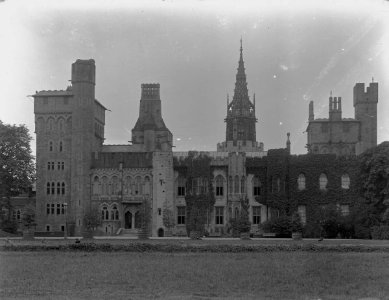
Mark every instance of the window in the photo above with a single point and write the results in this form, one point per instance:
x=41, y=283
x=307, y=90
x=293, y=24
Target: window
x=104, y=213
x=256, y=215
x=63, y=165
x=301, y=182
x=180, y=186
x=105, y=185
x=47, y=209
x=115, y=213
x=344, y=210
x=60, y=146
x=62, y=209
x=47, y=227
x=236, y=184
x=59, y=165
x=323, y=181
x=219, y=185
x=219, y=215
x=48, y=188
x=345, y=181
x=51, y=149
x=62, y=228
x=58, y=188
x=181, y=211
x=52, y=208
x=53, y=188
x=236, y=212
x=48, y=165
x=63, y=188
x=301, y=209
x=243, y=185
x=61, y=125
x=58, y=209
x=256, y=186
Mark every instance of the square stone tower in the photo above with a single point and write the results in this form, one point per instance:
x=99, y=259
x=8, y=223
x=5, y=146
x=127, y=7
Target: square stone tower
x=69, y=129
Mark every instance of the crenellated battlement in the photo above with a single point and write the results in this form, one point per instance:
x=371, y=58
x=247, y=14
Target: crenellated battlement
x=369, y=95
x=150, y=91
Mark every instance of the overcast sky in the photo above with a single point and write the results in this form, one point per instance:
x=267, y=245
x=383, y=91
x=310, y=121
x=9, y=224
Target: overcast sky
x=294, y=52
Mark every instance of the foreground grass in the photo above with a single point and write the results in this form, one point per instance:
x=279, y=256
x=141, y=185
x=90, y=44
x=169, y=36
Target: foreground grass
x=122, y=275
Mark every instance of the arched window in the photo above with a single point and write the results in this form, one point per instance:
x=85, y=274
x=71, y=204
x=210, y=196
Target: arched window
x=236, y=184
x=51, y=147
x=181, y=184
x=278, y=184
x=48, y=188
x=58, y=188
x=114, y=213
x=236, y=212
x=105, y=213
x=256, y=186
x=53, y=188
x=219, y=182
x=243, y=185
x=301, y=182
x=18, y=214
x=323, y=181
x=96, y=184
x=230, y=185
x=50, y=124
x=127, y=185
x=60, y=146
x=63, y=188
x=138, y=185
x=61, y=126
x=104, y=185
x=147, y=186
x=345, y=181
x=115, y=185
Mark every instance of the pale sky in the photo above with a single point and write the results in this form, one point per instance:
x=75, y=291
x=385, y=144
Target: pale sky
x=294, y=52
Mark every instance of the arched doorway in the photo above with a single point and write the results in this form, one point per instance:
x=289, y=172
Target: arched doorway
x=128, y=220
x=160, y=232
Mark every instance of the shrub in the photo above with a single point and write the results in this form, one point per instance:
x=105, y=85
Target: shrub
x=295, y=223
x=279, y=225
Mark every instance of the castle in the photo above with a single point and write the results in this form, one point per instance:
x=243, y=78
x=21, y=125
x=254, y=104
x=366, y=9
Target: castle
x=77, y=172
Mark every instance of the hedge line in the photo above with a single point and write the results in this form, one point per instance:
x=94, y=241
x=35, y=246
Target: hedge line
x=168, y=248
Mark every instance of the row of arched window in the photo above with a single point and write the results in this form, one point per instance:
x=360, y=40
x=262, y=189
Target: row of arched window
x=323, y=181
x=113, y=185
x=56, y=147
x=109, y=212
x=51, y=165
x=53, y=125
x=55, y=189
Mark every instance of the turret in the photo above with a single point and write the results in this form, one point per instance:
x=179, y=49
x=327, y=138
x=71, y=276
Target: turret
x=288, y=142
x=150, y=129
x=311, y=114
x=365, y=106
x=335, y=108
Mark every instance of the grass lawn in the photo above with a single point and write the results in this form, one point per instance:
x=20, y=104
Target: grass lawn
x=122, y=275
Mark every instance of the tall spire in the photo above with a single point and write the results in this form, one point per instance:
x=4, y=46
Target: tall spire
x=241, y=92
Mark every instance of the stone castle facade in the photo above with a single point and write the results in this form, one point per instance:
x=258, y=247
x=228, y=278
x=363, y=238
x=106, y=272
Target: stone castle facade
x=77, y=172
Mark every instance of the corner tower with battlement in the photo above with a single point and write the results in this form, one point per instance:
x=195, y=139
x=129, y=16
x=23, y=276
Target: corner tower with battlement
x=345, y=136
x=241, y=119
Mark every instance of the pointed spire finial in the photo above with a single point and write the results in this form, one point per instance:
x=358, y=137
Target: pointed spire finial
x=331, y=93
x=372, y=79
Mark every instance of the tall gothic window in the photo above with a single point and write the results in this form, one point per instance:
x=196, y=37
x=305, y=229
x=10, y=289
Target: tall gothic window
x=219, y=185
x=243, y=185
x=323, y=181
x=345, y=181
x=301, y=182
x=236, y=185
x=256, y=186
x=180, y=186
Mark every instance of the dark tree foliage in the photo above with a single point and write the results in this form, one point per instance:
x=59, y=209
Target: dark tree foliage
x=17, y=169
x=374, y=179
x=92, y=219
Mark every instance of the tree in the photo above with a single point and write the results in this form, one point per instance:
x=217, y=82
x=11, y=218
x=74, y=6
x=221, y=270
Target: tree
x=17, y=169
x=372, y=209
x=168, y=219
x=92, y=219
